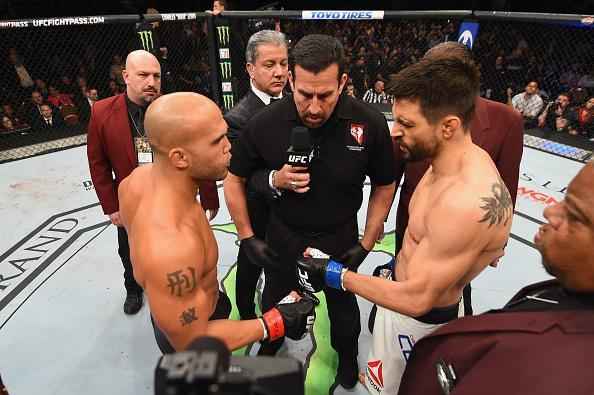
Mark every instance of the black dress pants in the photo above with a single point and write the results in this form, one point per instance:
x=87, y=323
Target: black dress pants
x=247, y=272
x=343, y=310
x=124, y=253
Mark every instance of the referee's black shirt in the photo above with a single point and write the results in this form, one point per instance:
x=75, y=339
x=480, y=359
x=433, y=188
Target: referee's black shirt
x=338, y=168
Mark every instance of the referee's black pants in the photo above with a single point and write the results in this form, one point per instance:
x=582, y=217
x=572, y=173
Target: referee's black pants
x=248, y=273
x=343, y=310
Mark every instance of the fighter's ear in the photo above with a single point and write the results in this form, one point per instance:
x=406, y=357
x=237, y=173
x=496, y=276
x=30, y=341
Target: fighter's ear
x=450, y=125
x=179, y=158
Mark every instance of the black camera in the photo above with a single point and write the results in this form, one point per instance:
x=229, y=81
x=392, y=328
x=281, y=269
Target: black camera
x=207, y=367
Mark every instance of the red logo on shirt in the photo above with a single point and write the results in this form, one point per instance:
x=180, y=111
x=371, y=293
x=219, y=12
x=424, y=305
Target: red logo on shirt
x=358, y=132
x=375, y=374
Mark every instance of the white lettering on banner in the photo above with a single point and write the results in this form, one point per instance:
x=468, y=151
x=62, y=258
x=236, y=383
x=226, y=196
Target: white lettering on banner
x=91, y=20
x=224, y=53
x=227, y=87
x=178, y=17
x=342, y=14
x=14, y=24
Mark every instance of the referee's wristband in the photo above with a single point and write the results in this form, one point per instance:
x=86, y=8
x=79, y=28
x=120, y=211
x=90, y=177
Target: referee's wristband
x=334, y=274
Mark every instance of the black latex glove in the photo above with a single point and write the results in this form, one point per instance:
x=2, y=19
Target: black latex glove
x=259, y=253
x=353, y=257
x=311, y=273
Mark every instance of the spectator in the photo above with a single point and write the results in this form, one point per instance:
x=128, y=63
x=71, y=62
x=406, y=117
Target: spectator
x=350, y=90
x=67, y=87
x=17, y=77
x=51, y=119
x=9, y=112
x=91, y=96
x=558, y=116
x=528, y=104
x=587, y=80
x=41, y=87
x=57, y=98
x=7, y=125
x=113, y=88
x=585, y=119
x=115, y=71
x=35, y=115
x=377, y=94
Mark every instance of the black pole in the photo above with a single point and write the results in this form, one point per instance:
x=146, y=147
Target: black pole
x=213, y=61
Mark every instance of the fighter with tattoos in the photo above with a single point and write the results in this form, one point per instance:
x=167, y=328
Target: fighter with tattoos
x=460, y=219
x=173, y=250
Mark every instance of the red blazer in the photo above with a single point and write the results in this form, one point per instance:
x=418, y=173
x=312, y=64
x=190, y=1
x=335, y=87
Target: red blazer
x=496, y=128
x=544, y=352
x=110, y=148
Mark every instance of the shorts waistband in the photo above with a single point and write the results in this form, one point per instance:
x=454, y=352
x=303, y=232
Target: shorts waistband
x=440, y=315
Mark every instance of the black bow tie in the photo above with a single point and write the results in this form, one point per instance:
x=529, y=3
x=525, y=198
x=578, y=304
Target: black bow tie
x=273, y=99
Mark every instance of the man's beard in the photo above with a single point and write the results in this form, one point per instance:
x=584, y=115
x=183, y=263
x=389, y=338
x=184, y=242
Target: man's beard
x=417, y=153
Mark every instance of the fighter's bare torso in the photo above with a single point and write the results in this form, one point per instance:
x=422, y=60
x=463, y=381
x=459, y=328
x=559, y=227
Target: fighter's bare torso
x=478, y=190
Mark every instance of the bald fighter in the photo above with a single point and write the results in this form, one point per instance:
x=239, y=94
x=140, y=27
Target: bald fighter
x=460, y=218
x=173, y=249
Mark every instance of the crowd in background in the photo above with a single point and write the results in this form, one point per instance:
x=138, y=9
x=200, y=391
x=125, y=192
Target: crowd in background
x=512, y=58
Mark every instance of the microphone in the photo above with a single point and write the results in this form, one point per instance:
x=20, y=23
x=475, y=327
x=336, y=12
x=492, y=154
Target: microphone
x=299, y=152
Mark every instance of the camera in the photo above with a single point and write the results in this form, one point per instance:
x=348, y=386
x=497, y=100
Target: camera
x=207, y=367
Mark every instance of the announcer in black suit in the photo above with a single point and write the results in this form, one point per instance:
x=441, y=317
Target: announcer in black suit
x=267, y=64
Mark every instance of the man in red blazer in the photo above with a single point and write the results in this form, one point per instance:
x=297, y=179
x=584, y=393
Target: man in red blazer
x=496, y=128
x=542, y=341
x=117, y=143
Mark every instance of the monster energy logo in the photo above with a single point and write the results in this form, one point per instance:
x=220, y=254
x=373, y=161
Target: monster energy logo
x=223, y=32
x=225, y=70
x=146, y=38
x=228, y=101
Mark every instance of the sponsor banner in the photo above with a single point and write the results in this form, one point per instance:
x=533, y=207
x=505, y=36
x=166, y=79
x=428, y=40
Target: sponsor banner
x=543, y=181
x=186, y=16
x=468, y=33
x=223, y=36
x=337, y=14
x=224, y=53
x=68, y=21
x=227, y=87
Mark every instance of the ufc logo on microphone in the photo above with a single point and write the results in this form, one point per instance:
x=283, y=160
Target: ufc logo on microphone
x=304, y=281
x=303, y=159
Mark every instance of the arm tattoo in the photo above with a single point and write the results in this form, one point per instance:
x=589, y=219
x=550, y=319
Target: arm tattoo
x=181, y=282
x=499, y=207
x=188, y=316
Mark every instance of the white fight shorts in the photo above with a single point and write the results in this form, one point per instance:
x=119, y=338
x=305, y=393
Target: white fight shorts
x=394, y=336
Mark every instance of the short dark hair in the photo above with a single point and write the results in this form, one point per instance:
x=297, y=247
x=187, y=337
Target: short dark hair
x=221, y=2
x=449, y=49
x=317, y=52
x=442, y=86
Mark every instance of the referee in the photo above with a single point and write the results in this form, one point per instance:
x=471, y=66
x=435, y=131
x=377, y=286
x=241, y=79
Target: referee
x=316, y=207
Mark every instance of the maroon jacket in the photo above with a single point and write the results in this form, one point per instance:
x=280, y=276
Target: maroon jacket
x=496, y=128
x=523, y=352
x=110, y=148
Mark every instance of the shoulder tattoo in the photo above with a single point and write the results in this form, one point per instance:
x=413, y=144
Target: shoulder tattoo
x=182, y=282
x=498, y=208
